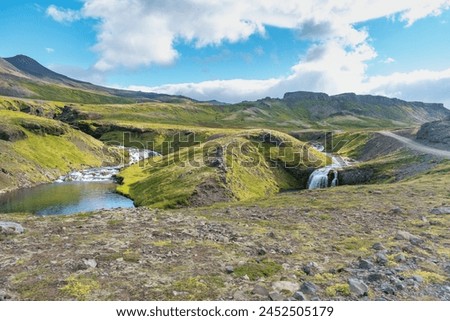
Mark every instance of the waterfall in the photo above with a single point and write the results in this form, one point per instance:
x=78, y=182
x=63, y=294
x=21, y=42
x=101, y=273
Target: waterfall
x=323, y=177
x=326, y=176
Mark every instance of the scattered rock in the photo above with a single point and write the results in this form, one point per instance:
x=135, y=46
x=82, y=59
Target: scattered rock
x=285, y=286
x=308, y=288
x=418, y=278
x=374, y=277
x=399, y=285
x=378, y=246
x=311, y=268
x=447, y=269
x=365, y=264
x=275, y=296
x=240, y=296
x=381, y=258
x=90, y=263
x=4, y=296
x=403, y=235
x=396, y=210
x=400, y=258
x=229, y=269
x=260, y=290
x=387, y=288
x=299, y=296
x=262, y=251
x=11, y=228
x=358, y=287
x=440, y=210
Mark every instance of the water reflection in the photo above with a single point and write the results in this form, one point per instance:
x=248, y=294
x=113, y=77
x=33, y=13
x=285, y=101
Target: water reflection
x=63, y=198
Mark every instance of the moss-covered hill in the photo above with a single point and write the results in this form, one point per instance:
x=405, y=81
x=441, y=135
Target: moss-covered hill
x=36, y=149
x=232, y=167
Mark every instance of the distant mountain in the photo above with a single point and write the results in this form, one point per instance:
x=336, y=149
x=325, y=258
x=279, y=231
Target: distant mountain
x=22, y=76
x=322, y=106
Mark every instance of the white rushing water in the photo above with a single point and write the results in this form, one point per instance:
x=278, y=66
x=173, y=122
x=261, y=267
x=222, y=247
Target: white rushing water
x=326, y=176
x=105, y=174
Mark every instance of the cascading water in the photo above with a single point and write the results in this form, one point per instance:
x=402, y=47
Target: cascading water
x=103, y=174
x=326, y=176
x=323, y=177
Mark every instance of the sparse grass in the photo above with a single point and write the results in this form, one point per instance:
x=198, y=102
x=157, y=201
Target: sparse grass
x=131, y=256
x=342, y=289
x=428, y=277
x=80, y=287
x=197, y=288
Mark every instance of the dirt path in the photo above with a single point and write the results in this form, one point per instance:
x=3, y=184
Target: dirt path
x=417, y=146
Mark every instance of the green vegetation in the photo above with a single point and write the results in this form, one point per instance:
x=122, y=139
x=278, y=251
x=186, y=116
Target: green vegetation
x=74, y=95
x=256, y=270
x=36, y=149
x=242, y=166
x=80, y=287
x=338, y=289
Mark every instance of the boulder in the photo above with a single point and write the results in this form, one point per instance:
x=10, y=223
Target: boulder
x=440, y=210
x=308, y=288
x=311, y=268
x=357, y=287
x=299, y=296
x=11, y=228
x=365, y=264
x=403, y=235
x=275, y=296
x=285, y=286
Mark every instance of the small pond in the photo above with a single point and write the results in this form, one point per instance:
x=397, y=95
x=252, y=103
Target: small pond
x=64, y=198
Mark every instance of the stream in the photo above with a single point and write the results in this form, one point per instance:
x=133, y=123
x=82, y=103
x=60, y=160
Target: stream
x=79, y=191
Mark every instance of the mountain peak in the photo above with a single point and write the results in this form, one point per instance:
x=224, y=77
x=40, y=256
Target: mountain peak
x=32, y=67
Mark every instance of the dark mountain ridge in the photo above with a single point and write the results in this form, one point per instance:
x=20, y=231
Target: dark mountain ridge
x=19, y=68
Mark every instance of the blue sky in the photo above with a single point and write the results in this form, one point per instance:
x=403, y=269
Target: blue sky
x=231, y=50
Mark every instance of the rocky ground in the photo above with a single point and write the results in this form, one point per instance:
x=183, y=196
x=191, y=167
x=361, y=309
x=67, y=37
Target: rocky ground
x=379, y=242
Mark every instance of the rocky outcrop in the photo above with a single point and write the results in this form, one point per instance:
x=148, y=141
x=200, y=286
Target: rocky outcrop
x=435, y=132
x=11, y=133
x=355, y=176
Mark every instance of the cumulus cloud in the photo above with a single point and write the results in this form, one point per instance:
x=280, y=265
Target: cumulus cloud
x=139, y=33
x=423, y=85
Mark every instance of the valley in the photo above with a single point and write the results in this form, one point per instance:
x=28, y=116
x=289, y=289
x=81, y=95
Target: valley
x=223, y=210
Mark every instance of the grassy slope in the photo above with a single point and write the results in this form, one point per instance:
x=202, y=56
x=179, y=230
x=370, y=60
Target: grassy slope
x=245, y=115
x=250, y=168
x=43, y=149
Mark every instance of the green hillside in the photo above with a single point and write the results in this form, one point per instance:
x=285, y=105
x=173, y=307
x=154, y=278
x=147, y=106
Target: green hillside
x=37, y=150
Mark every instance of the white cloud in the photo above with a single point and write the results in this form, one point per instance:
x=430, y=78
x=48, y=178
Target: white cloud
x=421, y=85
x=389, y=60
x=50, y=50
x=63, y=15
x=141, y=33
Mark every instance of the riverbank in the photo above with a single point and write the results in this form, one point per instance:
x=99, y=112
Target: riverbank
x=384, y=236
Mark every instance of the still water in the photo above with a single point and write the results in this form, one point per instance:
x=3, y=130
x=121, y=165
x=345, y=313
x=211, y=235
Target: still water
x=64, y=198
